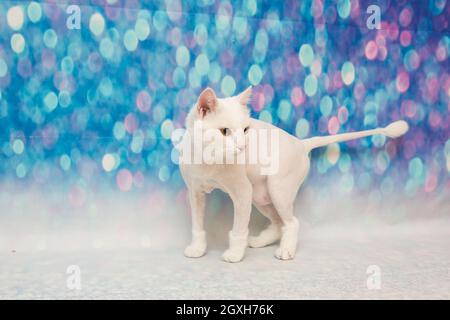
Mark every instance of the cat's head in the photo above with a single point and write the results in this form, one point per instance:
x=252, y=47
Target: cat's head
x=225, y=122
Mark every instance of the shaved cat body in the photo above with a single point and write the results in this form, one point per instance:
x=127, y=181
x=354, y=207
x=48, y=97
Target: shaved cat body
x=231, y=132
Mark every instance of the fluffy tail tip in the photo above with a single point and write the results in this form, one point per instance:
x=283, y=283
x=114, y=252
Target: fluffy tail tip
x=396, y=129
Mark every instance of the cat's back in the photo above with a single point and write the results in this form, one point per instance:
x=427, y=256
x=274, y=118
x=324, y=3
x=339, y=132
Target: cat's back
x=265, y=126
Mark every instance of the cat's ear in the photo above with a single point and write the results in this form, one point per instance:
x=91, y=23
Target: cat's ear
x=207, y=102
x=245, y=96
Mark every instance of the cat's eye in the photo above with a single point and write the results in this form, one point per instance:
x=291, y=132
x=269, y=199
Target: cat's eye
x=246, y=129
x=225, y=131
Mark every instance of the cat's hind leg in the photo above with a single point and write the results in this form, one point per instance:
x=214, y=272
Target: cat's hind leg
x=272, y=233
x=289, y=233
x=283, y=190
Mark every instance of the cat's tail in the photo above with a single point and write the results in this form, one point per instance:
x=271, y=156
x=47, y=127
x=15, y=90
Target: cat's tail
x=394, y=130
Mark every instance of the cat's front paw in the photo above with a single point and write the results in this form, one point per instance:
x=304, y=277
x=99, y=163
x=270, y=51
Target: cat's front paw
x=285, y=253
x=195, y=250
x=233, y=255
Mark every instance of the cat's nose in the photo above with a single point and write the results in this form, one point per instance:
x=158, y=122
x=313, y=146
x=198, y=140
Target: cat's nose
x=241, y=147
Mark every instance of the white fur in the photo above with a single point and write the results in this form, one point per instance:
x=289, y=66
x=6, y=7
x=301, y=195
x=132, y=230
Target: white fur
x=273, y=195
x=396, y=129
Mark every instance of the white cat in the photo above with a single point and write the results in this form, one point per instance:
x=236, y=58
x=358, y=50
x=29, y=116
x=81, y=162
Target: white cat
x=226, y=125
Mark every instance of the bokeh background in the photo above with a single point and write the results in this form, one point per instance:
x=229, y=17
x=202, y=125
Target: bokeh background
x=89, y=178
x=86, y=114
